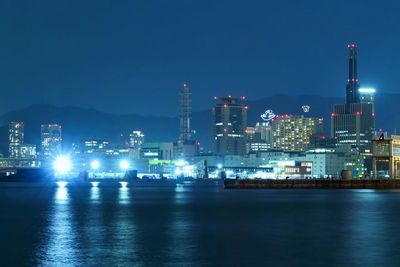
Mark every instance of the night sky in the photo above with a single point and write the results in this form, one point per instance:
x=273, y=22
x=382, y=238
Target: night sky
x=132, y=56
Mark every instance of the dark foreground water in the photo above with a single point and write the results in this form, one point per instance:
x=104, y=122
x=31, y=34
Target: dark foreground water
x=197, y=225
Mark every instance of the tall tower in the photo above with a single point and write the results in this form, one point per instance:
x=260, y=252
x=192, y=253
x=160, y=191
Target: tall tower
x=353, y=123
x=185, y=131
x=352, y=95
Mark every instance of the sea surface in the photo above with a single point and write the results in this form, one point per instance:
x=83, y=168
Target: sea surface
x=196, y=224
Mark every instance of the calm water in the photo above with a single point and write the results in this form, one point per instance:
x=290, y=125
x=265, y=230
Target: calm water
x=194, y=225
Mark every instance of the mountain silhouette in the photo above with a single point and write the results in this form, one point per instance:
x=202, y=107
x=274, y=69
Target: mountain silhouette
x=81, y=123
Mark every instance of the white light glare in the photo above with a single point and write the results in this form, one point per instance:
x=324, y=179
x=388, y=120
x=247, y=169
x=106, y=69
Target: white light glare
x=366, y=91
x=62, y=184
x=219, y=166
x=62, y=164
x=95, y=164
x=178, y=171
x=124, y=165
x=180, y=163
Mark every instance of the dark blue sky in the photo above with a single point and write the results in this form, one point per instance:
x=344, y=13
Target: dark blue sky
x=132, y=56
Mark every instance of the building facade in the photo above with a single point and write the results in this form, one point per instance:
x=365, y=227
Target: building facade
x=16, y=136
x=51, y=140
x=354, y=122
x=293, y=133
x=229, y=123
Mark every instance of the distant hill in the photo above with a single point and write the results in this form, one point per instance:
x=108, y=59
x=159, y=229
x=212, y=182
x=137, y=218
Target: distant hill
x=80, y=123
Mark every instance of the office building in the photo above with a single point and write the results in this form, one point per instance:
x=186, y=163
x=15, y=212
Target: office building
x=51, y=140
x=229, y=123
x=157, y=151
x=136, y=139
x=15, y=139
x=259, y=138
x=293, y=133
x=353, y=123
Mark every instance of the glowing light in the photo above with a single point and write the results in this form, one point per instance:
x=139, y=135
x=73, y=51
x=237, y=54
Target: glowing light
x=180, y=163
x=95, y=164
x=306, y=108
x=178, y=171
x=367, y=90
x=95, y=184
x=225, y=105
x=62, y=184
x=62, y=165
x=124, y=184
x=124, y=165
x=268, y=116
x=219, y=166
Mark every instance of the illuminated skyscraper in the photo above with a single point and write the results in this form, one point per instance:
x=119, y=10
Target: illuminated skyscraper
x=229, y=123
x=51, y=140
x=136, y=139
x=293, y=133
x=354, y=122
x=15, y=139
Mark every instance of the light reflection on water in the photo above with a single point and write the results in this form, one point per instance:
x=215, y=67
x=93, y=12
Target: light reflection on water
x=123, y=195
x=184, y=225
x=60, y=247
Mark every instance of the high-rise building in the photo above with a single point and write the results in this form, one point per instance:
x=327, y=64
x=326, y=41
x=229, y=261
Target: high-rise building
x=15, y=139
x=229, y=123
x=136, y=139
x=293, y=133
x=51, y=140
x=353, y=123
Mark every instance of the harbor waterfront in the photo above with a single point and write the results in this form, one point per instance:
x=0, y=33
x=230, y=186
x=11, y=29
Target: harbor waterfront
x=196, y=224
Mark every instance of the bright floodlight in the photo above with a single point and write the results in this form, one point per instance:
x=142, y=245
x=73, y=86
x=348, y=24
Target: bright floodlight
x=178, y=171
x=367, y=90
x=219, y=166
x=180, y=163
x=62, y=164
x=95, y=164
x=124, y=165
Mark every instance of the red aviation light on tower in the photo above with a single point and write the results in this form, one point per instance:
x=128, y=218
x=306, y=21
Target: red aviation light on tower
x=225, y=105
x=352, y=45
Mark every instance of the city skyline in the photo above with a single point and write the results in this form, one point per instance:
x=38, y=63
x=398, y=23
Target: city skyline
x=123, y=52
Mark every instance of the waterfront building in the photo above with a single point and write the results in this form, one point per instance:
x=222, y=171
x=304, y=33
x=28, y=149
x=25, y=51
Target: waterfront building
x=229, y=123
x=51, y=140
x=95, y=145
x=292, y=133
x=157, y=151
x=386, y=157
x=16, y=136
x=354, y=122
